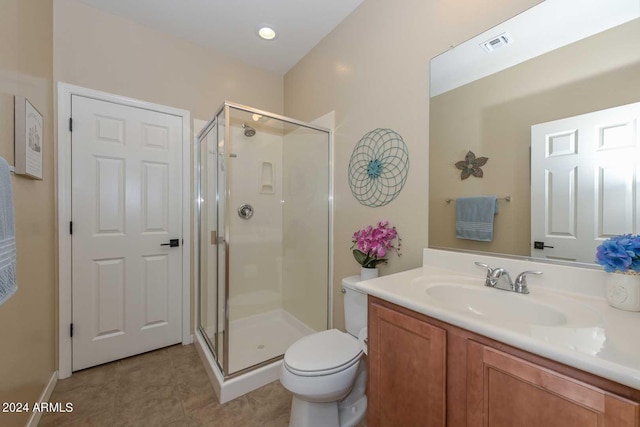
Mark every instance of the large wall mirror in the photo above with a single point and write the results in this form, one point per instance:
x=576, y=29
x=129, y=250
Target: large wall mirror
x=552, y=98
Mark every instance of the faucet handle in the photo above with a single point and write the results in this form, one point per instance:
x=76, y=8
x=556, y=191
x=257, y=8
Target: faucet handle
x=520, y=284
x=482, y=264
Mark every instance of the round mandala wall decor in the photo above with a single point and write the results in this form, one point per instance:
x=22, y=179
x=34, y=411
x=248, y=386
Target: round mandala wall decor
x=378, y=167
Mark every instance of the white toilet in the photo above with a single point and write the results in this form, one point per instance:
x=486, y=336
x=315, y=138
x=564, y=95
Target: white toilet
x=327, y=371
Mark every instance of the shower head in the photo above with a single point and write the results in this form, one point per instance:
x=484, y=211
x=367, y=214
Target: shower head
x=248, y=130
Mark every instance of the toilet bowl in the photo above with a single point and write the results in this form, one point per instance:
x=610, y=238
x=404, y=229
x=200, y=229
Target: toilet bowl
x=326, y=371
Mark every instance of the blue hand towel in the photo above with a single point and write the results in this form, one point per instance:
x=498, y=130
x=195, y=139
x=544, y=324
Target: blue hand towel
x=474, y=217
x=8, y=285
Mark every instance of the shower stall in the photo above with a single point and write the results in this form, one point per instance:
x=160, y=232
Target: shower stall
x=264, y=196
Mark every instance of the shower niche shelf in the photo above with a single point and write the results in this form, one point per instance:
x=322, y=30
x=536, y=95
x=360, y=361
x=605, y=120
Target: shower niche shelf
x=267, y=173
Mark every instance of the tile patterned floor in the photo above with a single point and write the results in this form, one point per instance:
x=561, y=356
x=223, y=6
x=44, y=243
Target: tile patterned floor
x=167, y=387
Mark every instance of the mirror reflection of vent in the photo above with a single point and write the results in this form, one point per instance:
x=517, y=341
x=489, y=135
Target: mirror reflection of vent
x=497, y=42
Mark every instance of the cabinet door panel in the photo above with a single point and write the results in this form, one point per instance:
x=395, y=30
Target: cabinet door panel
x=406, y=370
x=504, y=390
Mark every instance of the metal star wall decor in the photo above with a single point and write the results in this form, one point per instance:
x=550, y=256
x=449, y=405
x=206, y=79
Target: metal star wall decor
x=471, y=165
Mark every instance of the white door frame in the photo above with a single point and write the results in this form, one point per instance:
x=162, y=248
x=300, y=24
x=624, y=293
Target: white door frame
x=63, y=173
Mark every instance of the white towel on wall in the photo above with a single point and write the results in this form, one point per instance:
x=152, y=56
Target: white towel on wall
x=8, y=284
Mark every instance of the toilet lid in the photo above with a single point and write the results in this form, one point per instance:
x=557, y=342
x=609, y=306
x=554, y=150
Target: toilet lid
x=322, y=351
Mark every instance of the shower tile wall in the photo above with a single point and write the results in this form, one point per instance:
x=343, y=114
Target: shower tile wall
x=256, y=244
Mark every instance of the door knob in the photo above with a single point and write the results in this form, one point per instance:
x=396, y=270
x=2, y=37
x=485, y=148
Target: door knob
x=540, y=245
x=173, y=243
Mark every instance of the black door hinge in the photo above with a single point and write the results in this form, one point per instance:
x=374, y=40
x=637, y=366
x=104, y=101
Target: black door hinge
x=70, y=124
x=71, y=330
x=70, y=227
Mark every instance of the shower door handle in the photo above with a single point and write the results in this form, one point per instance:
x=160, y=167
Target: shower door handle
x=215, y=239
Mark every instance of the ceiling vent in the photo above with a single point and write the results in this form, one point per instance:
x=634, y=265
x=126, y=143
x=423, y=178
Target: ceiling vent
x=497, y=42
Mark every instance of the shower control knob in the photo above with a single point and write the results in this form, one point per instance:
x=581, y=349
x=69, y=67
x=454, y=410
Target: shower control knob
x=245, y=211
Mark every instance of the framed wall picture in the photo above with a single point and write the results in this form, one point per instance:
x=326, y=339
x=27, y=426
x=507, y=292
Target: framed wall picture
x=28, y=142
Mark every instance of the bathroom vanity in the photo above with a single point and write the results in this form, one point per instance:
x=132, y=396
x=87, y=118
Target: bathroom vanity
x=424, y=372
x=552, y=359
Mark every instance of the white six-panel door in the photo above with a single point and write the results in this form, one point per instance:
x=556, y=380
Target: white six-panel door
x=126, y=203
x=584, y=182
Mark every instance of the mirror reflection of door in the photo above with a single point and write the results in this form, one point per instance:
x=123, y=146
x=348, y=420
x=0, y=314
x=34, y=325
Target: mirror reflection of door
x=584, y=182
x=488, y=102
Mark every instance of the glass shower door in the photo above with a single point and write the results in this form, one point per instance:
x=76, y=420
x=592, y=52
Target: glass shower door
x=213, y=240
x=208, y=321
x=263, y=222
x=278, y=236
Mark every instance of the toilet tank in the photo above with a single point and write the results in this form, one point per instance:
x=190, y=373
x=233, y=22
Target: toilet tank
x=355, y=306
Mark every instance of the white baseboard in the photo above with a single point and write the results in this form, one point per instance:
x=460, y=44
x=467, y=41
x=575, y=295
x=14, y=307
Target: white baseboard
x=44, y=397
x=189, y=340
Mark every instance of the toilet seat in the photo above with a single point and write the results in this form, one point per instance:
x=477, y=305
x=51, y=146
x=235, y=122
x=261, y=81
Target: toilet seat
x=322, y=353
x=325, y=371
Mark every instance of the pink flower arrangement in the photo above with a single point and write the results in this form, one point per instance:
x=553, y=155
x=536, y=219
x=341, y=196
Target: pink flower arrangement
x=373, y=244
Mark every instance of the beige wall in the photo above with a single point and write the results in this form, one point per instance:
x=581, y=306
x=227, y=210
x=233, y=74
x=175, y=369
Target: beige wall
x=373, y=70
x=101, y=51
x=493, y=117
x=28, y=319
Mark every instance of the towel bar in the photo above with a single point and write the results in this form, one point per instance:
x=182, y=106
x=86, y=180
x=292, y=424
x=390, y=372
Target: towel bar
x=506, y=198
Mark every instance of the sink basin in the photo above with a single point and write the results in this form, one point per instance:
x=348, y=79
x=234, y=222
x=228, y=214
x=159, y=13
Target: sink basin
x=469, y=296
x=495, y=304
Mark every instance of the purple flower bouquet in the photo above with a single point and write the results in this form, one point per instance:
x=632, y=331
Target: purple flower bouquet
x=373, y=244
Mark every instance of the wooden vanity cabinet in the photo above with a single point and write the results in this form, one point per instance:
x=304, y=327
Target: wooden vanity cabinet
x=424, y=372
x=406, y=370
x=505, y=390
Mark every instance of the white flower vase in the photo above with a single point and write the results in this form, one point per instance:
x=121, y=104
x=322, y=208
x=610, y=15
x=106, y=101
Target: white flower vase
x=623, y=290
x=369, y=273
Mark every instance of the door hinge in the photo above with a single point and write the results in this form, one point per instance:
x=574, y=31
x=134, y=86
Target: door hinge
x=70, y=124
x=71, y=330
x=70, y=227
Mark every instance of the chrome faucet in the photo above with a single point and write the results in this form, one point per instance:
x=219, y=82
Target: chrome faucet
x=499, y=278
x=521, y=281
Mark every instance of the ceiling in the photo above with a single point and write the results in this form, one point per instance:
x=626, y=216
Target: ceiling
x=230, y=26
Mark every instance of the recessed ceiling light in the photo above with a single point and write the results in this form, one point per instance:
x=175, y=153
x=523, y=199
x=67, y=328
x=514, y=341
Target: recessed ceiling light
x=267, y=33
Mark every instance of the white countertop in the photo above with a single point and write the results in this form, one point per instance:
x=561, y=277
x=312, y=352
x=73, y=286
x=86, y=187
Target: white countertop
x=607, y=344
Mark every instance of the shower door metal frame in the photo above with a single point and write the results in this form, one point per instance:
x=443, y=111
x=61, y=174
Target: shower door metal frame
x=227, y=197
x=226, y=108
x=211, y=124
